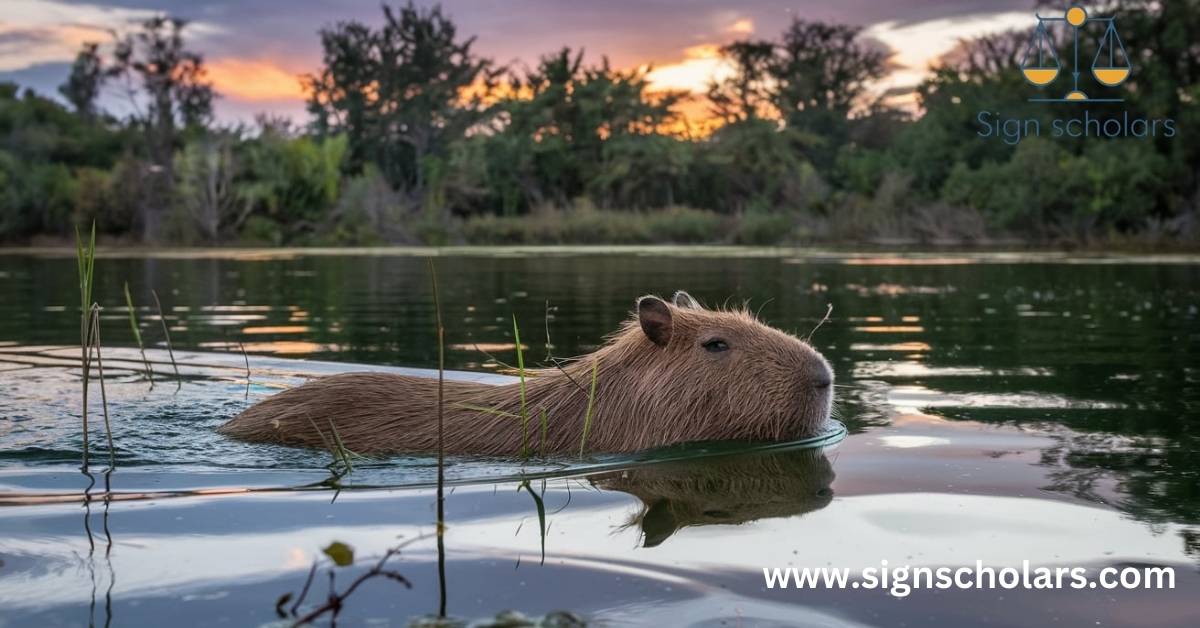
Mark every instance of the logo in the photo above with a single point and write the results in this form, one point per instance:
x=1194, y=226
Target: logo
x=1110, y=64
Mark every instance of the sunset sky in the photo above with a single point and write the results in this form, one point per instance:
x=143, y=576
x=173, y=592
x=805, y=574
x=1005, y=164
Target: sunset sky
x=255, y=50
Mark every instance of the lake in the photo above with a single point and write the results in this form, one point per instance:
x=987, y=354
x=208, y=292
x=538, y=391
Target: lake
x=1001, y=408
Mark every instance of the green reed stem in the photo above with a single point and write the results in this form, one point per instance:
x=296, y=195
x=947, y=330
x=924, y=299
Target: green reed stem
x=587, y=417
x=521, y=373
x=542, y=440
x=103, y=393
x=167, y=334
x=137, y=334
x=441, y=467
x=85, y=261
x=247, y=360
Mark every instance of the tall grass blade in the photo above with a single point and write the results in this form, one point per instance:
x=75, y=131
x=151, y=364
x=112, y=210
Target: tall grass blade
x=521, y=373
x=137, y=334
x=441, y=456
x=167, y=335
x=587, y=417
x=85, y=262
x=247, y=359
x=542, y=439
x=103, y=392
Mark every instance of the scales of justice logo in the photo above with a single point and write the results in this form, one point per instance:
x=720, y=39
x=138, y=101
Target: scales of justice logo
x=1110, y=65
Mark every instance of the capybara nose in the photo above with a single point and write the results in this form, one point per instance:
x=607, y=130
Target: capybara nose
x=822, y=382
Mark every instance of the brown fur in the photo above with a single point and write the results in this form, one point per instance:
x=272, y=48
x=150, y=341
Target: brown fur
x=730, y=490
x=657, y=385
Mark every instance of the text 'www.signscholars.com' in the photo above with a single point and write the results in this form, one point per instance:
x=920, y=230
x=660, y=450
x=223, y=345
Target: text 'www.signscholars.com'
x=901, y=581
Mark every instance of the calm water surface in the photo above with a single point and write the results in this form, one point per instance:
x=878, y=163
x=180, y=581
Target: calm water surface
x=1001, y=407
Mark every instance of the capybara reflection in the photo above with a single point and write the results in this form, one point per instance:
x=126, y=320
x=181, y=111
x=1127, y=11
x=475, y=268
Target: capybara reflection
x=674, y=372
x=729, y=490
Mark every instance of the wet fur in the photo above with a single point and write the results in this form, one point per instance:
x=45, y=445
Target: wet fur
x=656, y=386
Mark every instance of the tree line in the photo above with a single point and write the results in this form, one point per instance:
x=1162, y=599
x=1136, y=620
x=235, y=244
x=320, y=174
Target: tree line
x=413, y=136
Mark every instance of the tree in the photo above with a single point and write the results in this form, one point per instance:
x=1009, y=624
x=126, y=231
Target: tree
x=594, y=130
x=175, y=94
x=812, y=81
x=747, y=94
x=401, y=93
x=83, y=84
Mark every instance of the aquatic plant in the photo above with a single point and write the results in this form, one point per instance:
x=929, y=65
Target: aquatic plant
x=587, y=417
x=89, y=339
x=95, y=333
x=85, y=260
x=521, y=373
x=543, y=416
x=441, y=456
x=341, y=465
x=167, y=335
x=137, y=334
x=247, y=359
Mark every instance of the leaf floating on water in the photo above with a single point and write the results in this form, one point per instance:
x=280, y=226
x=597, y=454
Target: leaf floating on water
x=341, y=554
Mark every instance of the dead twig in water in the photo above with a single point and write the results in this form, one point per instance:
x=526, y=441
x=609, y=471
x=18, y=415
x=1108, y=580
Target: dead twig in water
x=342, y=556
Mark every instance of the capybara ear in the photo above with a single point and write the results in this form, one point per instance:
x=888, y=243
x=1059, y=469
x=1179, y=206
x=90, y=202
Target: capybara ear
x=686, y=301
x=655, y=318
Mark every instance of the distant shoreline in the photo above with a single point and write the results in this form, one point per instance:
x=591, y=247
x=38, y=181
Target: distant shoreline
x=848, y=254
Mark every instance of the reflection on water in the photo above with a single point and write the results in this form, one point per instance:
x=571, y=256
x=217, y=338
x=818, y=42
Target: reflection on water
x=723, y=491
x=1002, y=407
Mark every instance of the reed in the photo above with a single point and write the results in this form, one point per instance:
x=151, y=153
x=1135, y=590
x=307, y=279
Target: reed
x=587, y=416
x=521, y=374
x=167, y=335
x=85, y=260
x=247, y=360
x=542, y=439
x=137, y=334
x=103, y=393
x=441, y=456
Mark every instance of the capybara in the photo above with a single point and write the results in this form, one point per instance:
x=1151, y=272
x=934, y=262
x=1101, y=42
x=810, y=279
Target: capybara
x=674, y=372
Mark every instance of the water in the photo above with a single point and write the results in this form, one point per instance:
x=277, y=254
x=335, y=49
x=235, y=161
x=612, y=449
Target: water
x=1001, y=407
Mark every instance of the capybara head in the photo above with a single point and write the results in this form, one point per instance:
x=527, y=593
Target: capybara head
x=702, y=374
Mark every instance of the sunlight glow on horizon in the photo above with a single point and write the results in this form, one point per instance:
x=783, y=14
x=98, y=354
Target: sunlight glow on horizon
x=256, y=80
x=36, y=33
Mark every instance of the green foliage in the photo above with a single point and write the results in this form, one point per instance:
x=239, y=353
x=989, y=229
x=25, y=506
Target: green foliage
x=760, y=227
x=396, y=92
x=416, y=139
x=584, y=224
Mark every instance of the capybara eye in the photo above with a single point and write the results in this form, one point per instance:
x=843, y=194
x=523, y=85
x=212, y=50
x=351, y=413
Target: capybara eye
x=716, y=346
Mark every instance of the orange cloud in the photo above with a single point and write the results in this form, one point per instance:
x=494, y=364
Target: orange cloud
x=744, y=26
x=701, y=64
x=254, y=79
